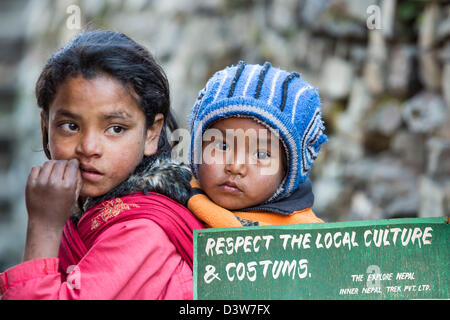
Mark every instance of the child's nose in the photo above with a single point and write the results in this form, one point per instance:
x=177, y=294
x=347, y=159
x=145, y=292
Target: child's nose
x=89, y=145
x=236, y=164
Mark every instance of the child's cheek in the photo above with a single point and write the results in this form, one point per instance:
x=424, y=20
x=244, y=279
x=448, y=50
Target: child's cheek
x=264, y=184
x=273, y=168
x=208, y=174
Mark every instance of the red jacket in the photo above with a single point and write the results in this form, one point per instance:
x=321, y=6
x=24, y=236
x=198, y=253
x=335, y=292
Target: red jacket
x=134, y=247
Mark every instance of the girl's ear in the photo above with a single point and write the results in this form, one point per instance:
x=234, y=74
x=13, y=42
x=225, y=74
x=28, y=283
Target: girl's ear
x=44, y=130
x=153, y=133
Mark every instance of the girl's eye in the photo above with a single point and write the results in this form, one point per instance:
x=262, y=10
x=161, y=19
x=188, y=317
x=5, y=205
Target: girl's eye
x=262, y=155
x=116, y=130
x=69, y=127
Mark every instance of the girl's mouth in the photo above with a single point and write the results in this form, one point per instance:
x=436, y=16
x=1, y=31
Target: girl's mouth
x=90, y=173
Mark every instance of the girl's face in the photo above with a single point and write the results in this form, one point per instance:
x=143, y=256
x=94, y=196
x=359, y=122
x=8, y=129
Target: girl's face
x=242, y=163
x=99, y=123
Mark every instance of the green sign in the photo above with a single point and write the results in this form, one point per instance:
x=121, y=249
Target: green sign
x=385, y=259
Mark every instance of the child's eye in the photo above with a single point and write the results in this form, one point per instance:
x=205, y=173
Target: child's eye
x=221, y=145
x=262, y=155
x=116, y=130
x=69, y=126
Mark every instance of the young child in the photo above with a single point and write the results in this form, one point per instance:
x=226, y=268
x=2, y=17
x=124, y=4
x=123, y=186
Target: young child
x=104, y=104
x=264, y=179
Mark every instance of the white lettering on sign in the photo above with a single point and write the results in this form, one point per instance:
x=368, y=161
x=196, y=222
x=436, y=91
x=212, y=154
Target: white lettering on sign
x=251, y=246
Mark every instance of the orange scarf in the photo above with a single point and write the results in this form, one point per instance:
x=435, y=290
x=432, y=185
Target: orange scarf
x=215, y=216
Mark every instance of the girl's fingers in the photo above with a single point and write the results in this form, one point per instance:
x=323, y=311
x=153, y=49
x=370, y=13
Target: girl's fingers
x=34, y=174
x=45, y=172
x=58, y=170
x=72, y=173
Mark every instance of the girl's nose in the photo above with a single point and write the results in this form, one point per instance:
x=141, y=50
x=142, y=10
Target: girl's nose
x=89, y=145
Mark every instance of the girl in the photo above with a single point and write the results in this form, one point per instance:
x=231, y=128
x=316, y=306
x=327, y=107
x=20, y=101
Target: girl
x=104, y=104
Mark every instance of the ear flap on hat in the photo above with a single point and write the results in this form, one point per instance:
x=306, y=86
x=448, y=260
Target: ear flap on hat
x=312, y=140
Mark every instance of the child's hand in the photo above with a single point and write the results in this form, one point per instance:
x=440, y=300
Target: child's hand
x=52, y=192
x=51, y=197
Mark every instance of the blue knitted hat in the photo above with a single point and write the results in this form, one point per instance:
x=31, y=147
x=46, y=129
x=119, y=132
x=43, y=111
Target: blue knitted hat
x=276, y=98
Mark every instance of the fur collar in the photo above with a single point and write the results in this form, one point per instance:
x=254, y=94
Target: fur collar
x=161, y=175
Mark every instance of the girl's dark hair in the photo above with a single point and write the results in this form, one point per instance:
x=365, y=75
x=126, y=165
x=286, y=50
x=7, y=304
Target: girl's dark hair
x=112, y=53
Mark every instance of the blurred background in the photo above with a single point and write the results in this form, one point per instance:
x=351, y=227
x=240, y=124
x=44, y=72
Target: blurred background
x=382, y=68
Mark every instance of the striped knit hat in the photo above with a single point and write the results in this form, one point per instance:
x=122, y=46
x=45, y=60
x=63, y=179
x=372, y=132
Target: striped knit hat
x=276, y=98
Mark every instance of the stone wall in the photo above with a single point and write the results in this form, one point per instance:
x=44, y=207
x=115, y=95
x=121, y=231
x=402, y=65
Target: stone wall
x=382, y=69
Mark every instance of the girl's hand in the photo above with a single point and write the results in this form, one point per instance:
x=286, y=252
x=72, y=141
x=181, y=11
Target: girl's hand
x=52, y=191
x=51, y=197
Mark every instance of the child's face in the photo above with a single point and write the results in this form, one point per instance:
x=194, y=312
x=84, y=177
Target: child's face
x=240, y=166
x=99, y=123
